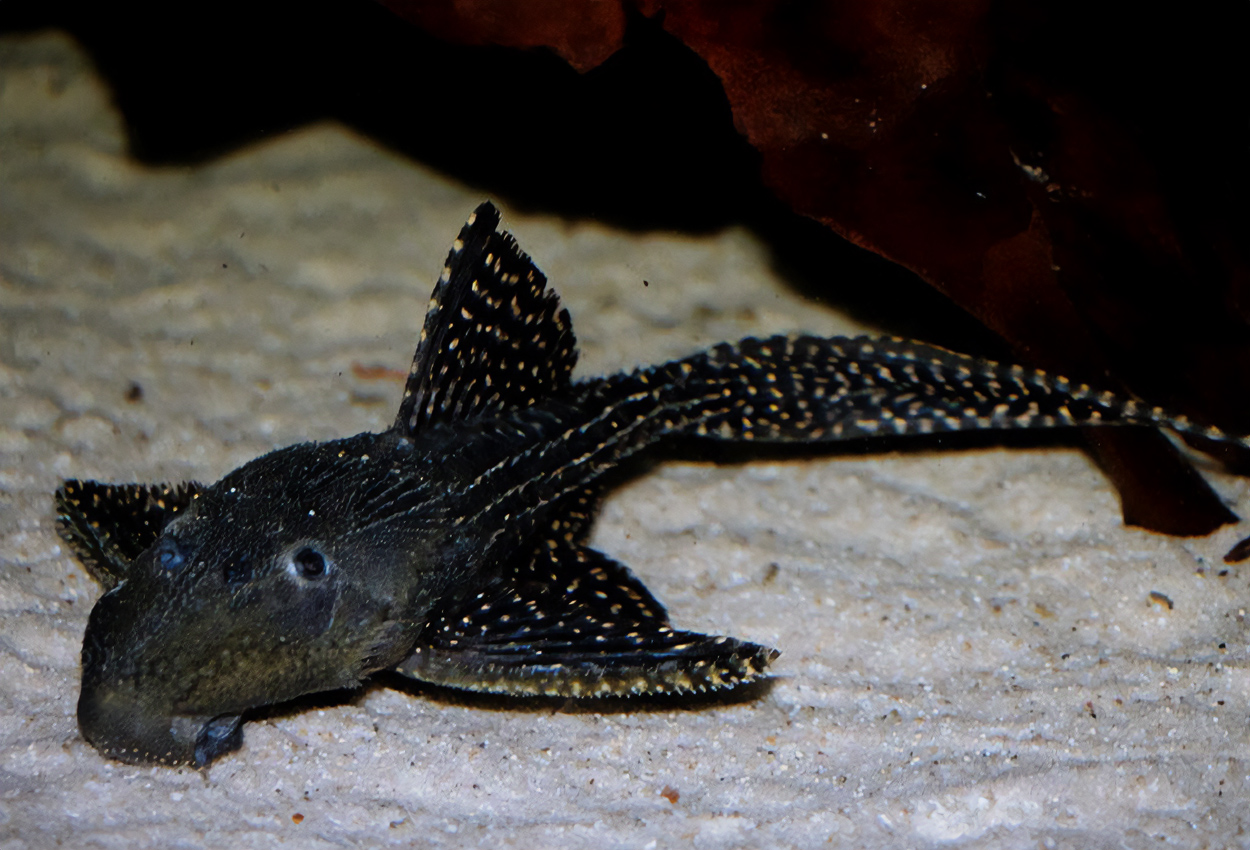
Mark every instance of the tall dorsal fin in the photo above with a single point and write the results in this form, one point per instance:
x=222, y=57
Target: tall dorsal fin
x=495, y=338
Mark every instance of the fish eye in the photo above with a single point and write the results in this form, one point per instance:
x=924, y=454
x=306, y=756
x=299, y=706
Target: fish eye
x=169, y=555
x=308, y=564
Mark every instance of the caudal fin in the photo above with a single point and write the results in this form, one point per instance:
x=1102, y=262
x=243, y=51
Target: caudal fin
x=805, y=388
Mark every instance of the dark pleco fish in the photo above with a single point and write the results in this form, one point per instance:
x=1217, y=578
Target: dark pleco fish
x=452, y=547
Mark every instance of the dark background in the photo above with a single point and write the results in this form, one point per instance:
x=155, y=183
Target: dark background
x=646, y=140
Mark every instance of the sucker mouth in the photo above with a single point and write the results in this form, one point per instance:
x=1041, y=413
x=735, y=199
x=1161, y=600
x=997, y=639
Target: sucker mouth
x=212, y=740
x=219, y=736
x=122, y=725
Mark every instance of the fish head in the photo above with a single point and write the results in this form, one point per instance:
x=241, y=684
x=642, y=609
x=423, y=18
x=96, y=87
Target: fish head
x=257, y=593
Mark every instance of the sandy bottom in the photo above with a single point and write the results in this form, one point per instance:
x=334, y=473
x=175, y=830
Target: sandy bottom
x=975, y=650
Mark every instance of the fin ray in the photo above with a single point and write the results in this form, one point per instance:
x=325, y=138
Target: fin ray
x=109, y=525
x=572, y=622
x=494, y=339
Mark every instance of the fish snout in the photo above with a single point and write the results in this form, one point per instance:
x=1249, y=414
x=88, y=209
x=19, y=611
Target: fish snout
x=117, y=720
x=126, y=708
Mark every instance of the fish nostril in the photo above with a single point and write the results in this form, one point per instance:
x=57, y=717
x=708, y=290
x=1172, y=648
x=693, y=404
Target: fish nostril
x=238, y=569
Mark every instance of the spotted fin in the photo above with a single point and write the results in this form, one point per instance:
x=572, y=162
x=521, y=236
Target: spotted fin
x=575, y=516
x=108, y=525
x=574, y=623
x=495, y=338
x=808, y=389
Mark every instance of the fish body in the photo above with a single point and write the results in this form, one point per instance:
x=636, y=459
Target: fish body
x=451, y=547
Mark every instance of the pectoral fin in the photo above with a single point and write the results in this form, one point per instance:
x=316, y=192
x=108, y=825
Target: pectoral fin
x=574, y=623
x=108, y=525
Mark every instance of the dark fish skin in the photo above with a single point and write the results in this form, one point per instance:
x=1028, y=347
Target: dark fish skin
x=451, y=547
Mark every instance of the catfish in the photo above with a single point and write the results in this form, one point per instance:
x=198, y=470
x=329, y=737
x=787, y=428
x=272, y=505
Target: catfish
x=452, y=546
